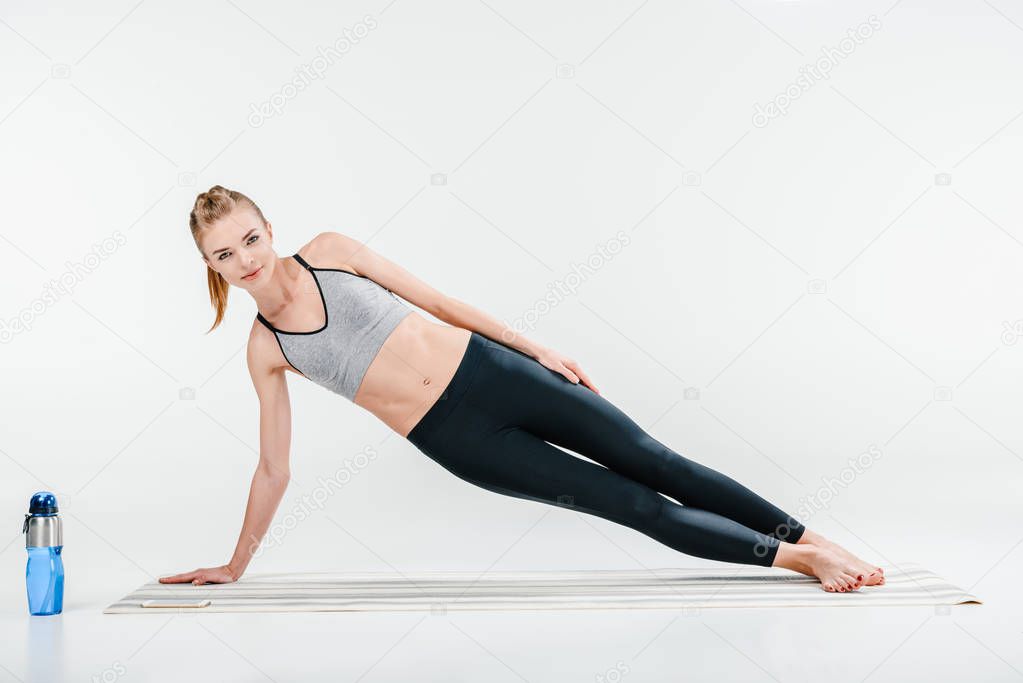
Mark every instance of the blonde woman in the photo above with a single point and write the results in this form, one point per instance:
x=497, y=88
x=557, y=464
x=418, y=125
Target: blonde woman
x=488, y=411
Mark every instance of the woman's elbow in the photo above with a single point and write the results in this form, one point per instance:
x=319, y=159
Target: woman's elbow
x=444, y=308
x=276, y=474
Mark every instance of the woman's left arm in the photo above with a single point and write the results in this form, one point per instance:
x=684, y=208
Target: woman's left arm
x=390, y=275
x=461, y=314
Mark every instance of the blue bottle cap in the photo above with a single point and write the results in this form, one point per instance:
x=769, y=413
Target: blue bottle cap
x=43, y=503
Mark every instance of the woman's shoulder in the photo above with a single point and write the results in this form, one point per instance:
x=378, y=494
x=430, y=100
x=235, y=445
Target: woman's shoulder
x=263, y=351
x=330, y=250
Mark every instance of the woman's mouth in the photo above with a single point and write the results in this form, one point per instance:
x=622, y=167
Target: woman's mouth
x=253, y=275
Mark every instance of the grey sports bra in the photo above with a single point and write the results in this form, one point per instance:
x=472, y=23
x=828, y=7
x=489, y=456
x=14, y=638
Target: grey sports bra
x=359, y=315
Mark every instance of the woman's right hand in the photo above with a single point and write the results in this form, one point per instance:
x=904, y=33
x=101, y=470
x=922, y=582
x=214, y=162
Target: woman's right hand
x=221, y=574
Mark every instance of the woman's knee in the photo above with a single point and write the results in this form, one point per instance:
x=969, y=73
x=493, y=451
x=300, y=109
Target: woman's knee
x=667, y=462
x=643, y=505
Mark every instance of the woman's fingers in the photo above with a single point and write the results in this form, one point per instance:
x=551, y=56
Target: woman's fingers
x=582, y=375
x=178, y=578
x=567, y=368
x=202, y=576
x=197, y=577
x=585, y=378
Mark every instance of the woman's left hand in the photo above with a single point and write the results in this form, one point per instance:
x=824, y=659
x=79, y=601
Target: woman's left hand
x=552, y=360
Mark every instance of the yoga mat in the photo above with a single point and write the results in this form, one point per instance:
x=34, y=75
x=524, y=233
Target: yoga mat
x=439, y=591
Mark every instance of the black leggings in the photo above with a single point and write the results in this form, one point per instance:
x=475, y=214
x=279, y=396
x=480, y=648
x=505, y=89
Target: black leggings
x=491, y=427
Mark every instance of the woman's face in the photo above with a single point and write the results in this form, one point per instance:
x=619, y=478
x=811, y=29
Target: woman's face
x=240, y=248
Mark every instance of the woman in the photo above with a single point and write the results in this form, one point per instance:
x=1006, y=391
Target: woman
x=483, y=409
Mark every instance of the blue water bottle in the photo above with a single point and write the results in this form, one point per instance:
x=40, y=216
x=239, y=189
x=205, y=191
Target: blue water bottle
x=44, y=575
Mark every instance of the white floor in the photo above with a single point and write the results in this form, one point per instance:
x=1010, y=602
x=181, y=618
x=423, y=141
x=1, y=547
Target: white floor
x=970, y=642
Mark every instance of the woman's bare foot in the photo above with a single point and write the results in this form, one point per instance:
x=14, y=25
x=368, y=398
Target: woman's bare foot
x=836, y=574
x=872, y=574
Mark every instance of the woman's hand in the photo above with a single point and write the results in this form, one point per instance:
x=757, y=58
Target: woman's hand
x=552, y=360
x=221, y=574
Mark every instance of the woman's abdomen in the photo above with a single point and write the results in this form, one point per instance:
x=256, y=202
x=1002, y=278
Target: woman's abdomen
x=408, y=375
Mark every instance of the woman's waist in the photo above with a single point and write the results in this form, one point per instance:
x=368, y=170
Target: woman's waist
x=454, y=393
x=411, y=371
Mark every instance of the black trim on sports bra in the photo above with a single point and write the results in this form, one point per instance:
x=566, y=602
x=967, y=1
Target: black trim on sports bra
x=326, y=317
x=335, y=270
x=340, y=270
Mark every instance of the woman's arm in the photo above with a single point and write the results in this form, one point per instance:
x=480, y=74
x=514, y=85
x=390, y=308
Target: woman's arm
x=388, y=274
x=272, y=475
x=461, y=314
x=265, y=495
x=452, y=311
x=273, y=472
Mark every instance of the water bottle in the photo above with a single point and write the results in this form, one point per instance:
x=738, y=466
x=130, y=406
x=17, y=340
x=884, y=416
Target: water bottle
x=44, y=575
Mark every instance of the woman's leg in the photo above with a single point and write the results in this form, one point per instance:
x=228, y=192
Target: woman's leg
x=511, y=461
x=570, y=415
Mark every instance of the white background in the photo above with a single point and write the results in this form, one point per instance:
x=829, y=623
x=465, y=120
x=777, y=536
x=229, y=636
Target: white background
x=816, y=284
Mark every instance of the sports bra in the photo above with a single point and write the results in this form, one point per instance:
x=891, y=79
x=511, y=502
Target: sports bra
x=359, y=316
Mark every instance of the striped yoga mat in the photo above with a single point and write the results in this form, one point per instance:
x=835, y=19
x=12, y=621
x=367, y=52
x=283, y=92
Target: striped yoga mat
x=439, y=591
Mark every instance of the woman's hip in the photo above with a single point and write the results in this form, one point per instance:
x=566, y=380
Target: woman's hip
x=494, y=386
x=452, y=395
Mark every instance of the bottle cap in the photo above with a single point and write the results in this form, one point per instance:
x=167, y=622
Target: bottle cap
x=43, y=503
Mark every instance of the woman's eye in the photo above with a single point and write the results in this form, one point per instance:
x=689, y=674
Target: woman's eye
x=227, y=253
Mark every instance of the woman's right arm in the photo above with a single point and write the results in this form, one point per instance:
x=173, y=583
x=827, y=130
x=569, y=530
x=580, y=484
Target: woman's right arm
x=270, y=480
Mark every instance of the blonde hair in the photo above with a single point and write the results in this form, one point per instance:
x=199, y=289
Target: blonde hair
x=211, y=206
